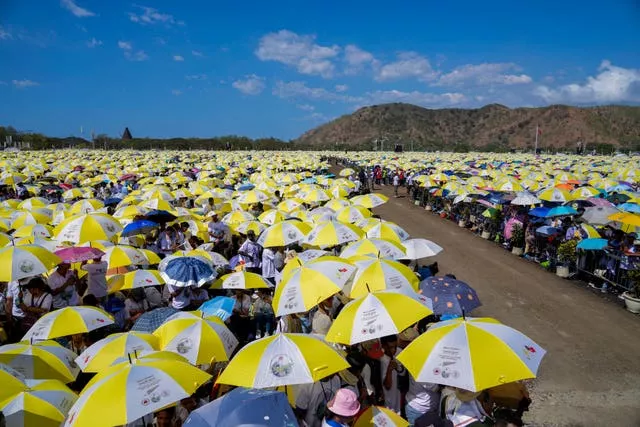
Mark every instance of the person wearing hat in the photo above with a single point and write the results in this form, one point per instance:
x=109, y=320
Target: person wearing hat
x=341, y=409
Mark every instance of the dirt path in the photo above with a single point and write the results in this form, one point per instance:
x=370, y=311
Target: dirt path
x=591, y=373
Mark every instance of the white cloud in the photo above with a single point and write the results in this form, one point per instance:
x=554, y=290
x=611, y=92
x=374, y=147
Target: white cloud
x=197, y=53
x=612, y=84
x=5, y=34
x=176, y=92
x=419, y=98
x=299, y=90
x=21, y=84
x=196, y=77
x=341, y=88
x=298, y=51
x=78, y=11
x=407, y=65
x=356, y=59
x=129, y=54
x=178, y=58
x=94, y=43
x=306, y=107
x=251, y=85
x=483, y=74
x=151, y=16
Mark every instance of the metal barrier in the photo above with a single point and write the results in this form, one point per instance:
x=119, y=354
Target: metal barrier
x=608, y=266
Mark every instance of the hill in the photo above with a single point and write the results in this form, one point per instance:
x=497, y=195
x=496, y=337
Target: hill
x=493, y=127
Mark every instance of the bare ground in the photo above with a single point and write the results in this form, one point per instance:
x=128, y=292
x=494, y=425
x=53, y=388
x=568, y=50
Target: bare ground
x=591, y=373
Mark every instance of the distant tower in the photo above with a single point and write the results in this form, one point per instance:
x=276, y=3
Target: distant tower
x=126, y=135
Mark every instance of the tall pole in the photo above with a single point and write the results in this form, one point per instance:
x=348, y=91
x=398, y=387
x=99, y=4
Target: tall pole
x=537, y=132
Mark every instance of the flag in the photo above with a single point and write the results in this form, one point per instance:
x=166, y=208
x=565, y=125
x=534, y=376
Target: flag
x=539, y=130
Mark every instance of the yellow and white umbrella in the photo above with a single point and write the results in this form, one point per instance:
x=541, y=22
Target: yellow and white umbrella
x=379, y=416
x=255, y=226
x=377, y=315
x=337, y=204
x=68, y=321
x=386, y=230
x=473, y=354
x=86, y=206
x=84, y=228
x=272, y=216
x=101, y=354
x=289, y=205
x=582, y=193
x=554, y=194
x=133, y=280
x=237, y=217
x=42, y=403
x=35, y=216
x=73, y=193
x=347, y=172
x=381, y=248
x=304, y=286
x=241, y=280
x=370, y=200
x=280, y=360
x=283, y=233
x=375, y=274
x=123, y=256
x=40, y=360
x=252, y=197
x=332, y=233
x=130, y=211
x=198, y=340
x=314, y=196
x=13, y=382
x=134, y=390
x=34, y=230
x=20, y=262
x=353, y=214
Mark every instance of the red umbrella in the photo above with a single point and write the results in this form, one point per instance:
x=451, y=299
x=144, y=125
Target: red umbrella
x=128, y=176
x=79, y=254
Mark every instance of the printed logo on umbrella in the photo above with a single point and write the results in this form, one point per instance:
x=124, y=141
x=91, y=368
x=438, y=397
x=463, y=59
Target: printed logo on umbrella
x=26, y=266
x=529, y=351
x=281, y=365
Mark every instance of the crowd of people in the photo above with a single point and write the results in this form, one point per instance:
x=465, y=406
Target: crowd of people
x=374, y=378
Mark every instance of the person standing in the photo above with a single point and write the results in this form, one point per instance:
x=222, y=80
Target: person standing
x=391, y=369
x=250, y=253
x=269, y=265
x=396, y=184
x=62, y=283
x=97, y=278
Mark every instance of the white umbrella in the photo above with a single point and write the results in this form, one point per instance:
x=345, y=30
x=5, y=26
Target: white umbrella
x=420, y=248
x=524, y=199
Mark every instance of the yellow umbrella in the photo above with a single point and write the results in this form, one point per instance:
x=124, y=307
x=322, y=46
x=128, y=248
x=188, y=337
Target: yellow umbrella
x=283, y=233
x=381, y=417
x=280, y=360
x=34, y=230
x=375, y=274
x=134, y=279
x=68, y=321
x=20, y=262
x=166, y=382
x=84, y=228
x=40, y=360
x=370, y=200
x=332, y=233
x=103, y=353
x=241, y=280
x=626, y=218
x=122, y=256
x=41, y=403
x=272, y=216
x=86, y=206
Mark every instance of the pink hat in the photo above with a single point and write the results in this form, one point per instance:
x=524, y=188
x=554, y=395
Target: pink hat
x=344, y=403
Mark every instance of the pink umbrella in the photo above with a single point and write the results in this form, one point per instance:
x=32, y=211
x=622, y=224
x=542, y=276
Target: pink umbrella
x=599, y=202
x=79, y=254
x=508, y=227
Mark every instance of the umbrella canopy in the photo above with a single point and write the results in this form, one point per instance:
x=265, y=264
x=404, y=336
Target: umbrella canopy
x=472, y=354
x=196, y=339
x=221, y=307
x=420, y=248
x=142, y=226
x=449, y=296
x=151, y=320
x=134, y=390
x=282, y=359
x=160, y=216
x=377, y=315
x=283, y=234
x=187, y=271
x=40, y=360
x=123, y=256
x=78, y=254
x=332, y=233
x=375, y=274
x=599, y=215
x=306, y=285
x=84, y=228
x=43, y=403
x=525, y=199
x=68, y=321
x=380, y=416
x=241, y=280
x=245, y=407
x=101, y=354
x=134, y=279
x=377, y=247
x=370, y=200
x=20, y=262
x=562, y=211
x=386, y=230
x=593, y=244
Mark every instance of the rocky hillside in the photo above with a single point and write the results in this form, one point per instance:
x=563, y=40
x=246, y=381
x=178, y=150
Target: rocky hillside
x=491, y=127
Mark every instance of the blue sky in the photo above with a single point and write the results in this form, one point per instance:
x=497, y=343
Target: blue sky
x=278, y=68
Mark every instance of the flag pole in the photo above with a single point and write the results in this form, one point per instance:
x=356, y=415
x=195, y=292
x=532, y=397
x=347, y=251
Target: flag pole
x=537, y=132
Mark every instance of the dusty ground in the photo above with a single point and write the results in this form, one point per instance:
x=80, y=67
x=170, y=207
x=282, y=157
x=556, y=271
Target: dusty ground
x=591, y=373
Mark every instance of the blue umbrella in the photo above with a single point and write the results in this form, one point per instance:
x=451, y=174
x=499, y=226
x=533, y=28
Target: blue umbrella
x=593, y=244
x=449, y=296
x=246, y=186
x=151, y=320
x=112, y=201
x=143, y=226
x=630, y=207
x=540, y=212
x=547, y=230
x=562, y=211
x=187, y=271
x=221, y=307
x=245, y=407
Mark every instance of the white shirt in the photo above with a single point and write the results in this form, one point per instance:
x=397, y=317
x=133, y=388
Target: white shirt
x=153, y=296
x=423, y=397
x=396, y=180
x=69, y=296
x=97, y=279
x=252, y=249
x=321, y=323
x=268, y=263
x=43, y=301
x=132, y=305
x=392, y=398
x=310, y=396
x=13, y=290
x=182, y=300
